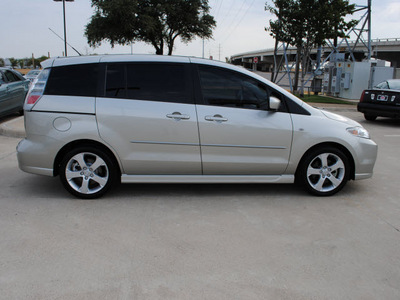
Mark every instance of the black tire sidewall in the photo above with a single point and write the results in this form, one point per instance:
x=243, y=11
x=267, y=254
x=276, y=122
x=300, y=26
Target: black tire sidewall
x=302, y=173
x=112, y=171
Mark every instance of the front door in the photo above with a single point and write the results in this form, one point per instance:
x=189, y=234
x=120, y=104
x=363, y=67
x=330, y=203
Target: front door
x=238, y=135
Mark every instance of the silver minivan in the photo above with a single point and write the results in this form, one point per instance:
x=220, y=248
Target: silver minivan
x=99, y=120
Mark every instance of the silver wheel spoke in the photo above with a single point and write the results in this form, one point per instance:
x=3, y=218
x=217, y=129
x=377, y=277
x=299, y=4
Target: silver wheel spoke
x=102, y=181
x=313, y=171
x=80, y=159
x=324, y=159
x=338, y=165
x=84, y=189
x=335, y=182
x=98, y=163
x=318, y=186
x=72, y=174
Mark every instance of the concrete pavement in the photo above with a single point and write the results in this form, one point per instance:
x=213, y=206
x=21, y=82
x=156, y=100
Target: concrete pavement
x=13, y=128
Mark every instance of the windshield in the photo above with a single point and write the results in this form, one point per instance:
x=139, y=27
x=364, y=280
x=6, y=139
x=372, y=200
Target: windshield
x=394, y=84
x=33, y=73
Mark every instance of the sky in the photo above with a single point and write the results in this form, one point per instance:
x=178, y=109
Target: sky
x=24, y=28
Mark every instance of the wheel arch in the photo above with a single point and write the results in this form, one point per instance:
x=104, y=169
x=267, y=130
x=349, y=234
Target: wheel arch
x=81, y=143
x=334, y=145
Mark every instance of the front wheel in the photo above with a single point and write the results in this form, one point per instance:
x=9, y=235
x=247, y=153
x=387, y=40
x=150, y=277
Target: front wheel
x=324, y=171
x=87, y=172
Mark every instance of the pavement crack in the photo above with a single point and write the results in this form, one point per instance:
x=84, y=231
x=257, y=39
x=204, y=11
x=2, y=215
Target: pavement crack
x=6, y=156
x=394, y=227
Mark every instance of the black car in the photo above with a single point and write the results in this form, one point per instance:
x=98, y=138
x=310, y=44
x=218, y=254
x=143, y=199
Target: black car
x=381, y=101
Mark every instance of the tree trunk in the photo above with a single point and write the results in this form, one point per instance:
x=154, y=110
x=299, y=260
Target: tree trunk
x=296, y=75
x=304, y=66
x=170, y=47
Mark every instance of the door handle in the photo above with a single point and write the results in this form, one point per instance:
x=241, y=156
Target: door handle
x=178, y=116
x=216, y=118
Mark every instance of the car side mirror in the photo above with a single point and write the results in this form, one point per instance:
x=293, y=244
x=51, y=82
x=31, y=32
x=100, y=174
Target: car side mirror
x=274, y=103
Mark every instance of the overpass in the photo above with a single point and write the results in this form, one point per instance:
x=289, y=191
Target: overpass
x=384, y=49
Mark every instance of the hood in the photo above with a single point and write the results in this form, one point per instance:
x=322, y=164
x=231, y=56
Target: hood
x=339, y=118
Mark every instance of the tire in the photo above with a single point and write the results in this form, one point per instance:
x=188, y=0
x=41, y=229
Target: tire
x=324, y=171
x=369, y=117
x=81, y=179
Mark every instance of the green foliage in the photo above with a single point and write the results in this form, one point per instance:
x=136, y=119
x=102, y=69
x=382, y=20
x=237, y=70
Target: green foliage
x=2, y=63
x=322, y=99
x=13, y=61
x=156, y=22
x=309, y=22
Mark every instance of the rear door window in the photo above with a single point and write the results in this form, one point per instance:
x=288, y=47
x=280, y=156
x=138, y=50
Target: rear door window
x=164, y=82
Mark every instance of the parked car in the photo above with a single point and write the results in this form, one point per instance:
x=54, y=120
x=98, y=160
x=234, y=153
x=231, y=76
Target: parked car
x=32, y=74
x=382, y=101
x=99, y=120
x=13, y=89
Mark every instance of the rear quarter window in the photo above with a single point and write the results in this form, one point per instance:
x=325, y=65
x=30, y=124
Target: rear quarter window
x=73, y=80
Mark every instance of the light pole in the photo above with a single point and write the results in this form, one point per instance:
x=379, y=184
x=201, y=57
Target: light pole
x=65, y=25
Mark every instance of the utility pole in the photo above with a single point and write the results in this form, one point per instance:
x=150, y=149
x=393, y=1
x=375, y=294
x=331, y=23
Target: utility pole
x=369, y=29
x=65, y=24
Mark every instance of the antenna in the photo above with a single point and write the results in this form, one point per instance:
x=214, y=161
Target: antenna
x=64, y=41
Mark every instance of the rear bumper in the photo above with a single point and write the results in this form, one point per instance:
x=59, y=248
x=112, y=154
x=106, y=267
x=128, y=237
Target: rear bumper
x=380, y=110
x=34, y=157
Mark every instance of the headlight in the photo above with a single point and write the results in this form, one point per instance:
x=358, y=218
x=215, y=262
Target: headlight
x=359, y=131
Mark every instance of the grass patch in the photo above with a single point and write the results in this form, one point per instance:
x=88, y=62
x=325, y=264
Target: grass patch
x=323, y=99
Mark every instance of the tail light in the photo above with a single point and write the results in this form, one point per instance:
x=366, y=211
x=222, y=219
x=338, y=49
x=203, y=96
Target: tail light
x=36, y=90
x=362, y=96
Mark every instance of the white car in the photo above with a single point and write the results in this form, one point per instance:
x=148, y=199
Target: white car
x=99, y=120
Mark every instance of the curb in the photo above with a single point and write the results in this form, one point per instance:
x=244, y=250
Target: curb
x=13, y=128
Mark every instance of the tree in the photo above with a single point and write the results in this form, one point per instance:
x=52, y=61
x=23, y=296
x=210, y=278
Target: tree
x=2, y=63
x=156, y=22
x=308, y=23
x=13, y=61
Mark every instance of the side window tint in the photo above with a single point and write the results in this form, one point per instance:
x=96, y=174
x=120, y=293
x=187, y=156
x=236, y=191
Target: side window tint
x=116, y=81
x=159, y=82
x=74, y=80
x=227, y=88
x=10, y=76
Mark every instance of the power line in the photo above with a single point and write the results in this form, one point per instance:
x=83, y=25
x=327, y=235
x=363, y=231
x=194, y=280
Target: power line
x=248, y=8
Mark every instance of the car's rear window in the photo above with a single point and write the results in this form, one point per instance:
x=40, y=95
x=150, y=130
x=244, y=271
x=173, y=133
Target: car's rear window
x=74, y=80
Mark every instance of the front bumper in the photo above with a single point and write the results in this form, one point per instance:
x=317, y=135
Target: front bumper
x=367, y=151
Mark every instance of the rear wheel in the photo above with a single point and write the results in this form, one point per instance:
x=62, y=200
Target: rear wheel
x=324, y=171
x=87, y=172
x=369, y=117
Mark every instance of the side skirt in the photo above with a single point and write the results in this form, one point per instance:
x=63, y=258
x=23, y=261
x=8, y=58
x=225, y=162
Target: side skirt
x=207, y=178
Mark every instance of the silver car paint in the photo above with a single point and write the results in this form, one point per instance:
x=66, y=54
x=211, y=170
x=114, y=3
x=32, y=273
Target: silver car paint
x=147, y=136
x=247, y=141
